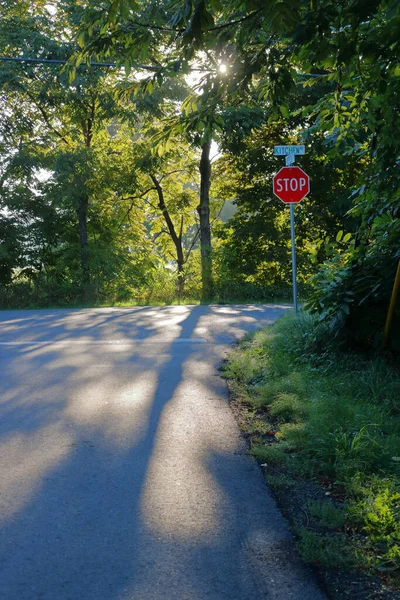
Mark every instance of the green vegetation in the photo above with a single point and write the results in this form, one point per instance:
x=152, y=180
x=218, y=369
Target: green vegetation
x=329, y=420
x=109, y=192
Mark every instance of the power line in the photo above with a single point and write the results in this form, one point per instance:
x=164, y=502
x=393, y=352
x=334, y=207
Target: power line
x=102, y=64
x=63, y=62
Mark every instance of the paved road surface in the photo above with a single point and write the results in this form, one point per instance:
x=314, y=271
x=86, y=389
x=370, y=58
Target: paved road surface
x=122, y=472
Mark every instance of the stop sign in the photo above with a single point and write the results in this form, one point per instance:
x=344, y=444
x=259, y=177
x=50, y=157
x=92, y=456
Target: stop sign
x=291, y=184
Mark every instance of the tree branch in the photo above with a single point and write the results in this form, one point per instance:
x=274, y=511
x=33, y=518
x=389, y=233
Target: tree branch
x=172, y=173
x=194, y=240
x=133, y=198
x=157, y=235
x=165, y=212
x=155, y=27
x=181, y=228
x=241, y=20
x=219, y=212
x=171, y=227
x=46, y=118
x=182, y=30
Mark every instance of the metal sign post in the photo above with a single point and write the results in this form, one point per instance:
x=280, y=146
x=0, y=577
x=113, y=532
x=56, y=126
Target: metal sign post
x=294, y=270
x=290, y=159
x=291, y=185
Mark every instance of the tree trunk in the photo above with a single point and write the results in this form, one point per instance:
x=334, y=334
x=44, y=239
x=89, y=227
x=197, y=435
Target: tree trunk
x=83, y=238
x=82, y=210
x=204, y=214
x=177, y=239
x=181, y=278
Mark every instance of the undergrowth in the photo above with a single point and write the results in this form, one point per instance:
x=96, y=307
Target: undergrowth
x=333, y=420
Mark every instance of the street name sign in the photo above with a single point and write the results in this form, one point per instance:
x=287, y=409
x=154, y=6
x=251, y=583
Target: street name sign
x=285, y=150
x=291, y=184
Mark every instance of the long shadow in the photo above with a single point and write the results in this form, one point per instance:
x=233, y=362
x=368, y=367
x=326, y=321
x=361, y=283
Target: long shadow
x=82, y=534
x=14, y=325
x=86, y=533
x=28, y=371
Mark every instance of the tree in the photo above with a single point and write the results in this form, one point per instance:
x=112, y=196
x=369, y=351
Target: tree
x=354, y=49
x=165, y=191
x=67, y=119
x=256, y=240
x=116, y=32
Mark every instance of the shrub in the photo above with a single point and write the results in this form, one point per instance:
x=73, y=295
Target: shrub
x=286, y=407
x=335, y=418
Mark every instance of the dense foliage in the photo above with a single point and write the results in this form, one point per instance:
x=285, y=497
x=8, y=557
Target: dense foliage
x=108, y=189
x=325, y=426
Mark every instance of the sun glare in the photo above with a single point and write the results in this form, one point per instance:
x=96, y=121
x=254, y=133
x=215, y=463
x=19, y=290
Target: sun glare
x=222, y=68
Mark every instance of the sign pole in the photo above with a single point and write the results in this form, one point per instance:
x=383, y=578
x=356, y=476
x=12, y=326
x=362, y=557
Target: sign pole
x=294, y=271
x=290, y=160
x=291, y=184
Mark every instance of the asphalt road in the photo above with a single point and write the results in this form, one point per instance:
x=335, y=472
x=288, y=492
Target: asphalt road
x=122, y=471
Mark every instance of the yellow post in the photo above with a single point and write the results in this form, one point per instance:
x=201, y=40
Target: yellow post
x=392, y=304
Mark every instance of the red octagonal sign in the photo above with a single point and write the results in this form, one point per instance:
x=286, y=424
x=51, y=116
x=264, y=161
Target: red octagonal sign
x=291, y=184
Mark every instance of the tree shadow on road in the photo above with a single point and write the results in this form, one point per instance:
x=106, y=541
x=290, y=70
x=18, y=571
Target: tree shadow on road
x=143, y=500
x=82, y=530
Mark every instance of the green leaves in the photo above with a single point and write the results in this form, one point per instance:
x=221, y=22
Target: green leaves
x=81, y=39
x=112, y=13
x=122, y=8
x=343, y=238
x=284, y=111
x=201, y=20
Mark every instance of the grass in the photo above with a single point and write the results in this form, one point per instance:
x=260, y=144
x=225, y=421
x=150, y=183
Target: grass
x=332, y=421
x=110, y=304
x=133, y=303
